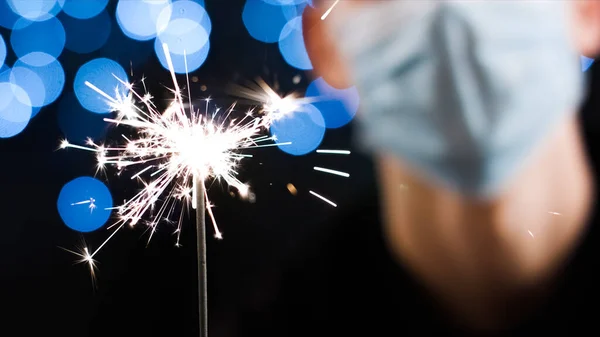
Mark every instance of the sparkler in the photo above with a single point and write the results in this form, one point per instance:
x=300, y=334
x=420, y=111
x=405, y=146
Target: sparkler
x=174, y=153
x=178, y=149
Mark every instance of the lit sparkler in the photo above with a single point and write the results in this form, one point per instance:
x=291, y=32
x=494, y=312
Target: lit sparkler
x=176, y=149
x=173, y=153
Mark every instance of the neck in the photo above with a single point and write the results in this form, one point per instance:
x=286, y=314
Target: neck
x=479, y=257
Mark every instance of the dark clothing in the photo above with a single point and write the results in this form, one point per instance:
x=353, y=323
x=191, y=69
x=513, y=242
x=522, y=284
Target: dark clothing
x=350, y=285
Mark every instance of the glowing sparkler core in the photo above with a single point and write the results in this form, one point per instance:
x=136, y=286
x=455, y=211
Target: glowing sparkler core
x=173, y=149
x=274, y=106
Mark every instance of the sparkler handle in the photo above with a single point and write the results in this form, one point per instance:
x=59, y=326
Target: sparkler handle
x=201, y=247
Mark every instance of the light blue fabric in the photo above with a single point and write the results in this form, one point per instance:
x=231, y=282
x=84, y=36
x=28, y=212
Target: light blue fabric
x=462, y=91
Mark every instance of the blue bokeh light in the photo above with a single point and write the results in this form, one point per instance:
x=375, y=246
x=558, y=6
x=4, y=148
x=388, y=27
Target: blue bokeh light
x=139, y=20
x=186, y=34
x=29, y=81
x=291, y=45
x=285, y=2
x=304, y=129
x=77, y=123
x=46, y=36
x=200, y=2
x=2, y=51
x=185, y=9
x=15, y=110
x=586, y=63
x=49, y=70
x=35, y=10
x=193, y=61
x=86, y=36
x=74, y=203
x=83, y=9
x=103, y=74
x=292, y=11
x=7, y=16
x=183, y=36
x=263, y=21
x=338, y=106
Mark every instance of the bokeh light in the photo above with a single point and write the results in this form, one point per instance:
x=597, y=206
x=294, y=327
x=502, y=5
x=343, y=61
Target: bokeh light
x=338, y=106
x=2, y=51
x=182, y=63
x=104, y=74
x=291, y=45
x=76, y=123
x=84, y=204
x=293, y=11
x=285, y=2
x=264, y=21
x=45, y=36
x=7, y=16
x=15, y=110
x=139, y=20
x=86, y=36
x=83, y=9
x=304, y=129
x=5, y=74
x=35, y=10
x=586, y=63
x=186, y=33
x=29, y=81
x=184, y=9
x=49, y=70
x=183, y=36
x=200, y=2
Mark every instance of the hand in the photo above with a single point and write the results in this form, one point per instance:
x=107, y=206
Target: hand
x=326, y=59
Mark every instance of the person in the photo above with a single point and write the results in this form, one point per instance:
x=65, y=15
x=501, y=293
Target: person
x=469, y=109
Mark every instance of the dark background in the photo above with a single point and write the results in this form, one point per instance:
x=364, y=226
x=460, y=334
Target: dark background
x=147, y=290
x=142, y=290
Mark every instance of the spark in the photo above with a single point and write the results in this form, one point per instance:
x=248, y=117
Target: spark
x=65, y=144
x=85, y=257
x=330, y=171
x=323, y=198
x=292, y=189
x=530, y=233
x=554, y=213
x=274, y=106
x=326, y=14
x=90, y=201
x=334, y=151
x=174, y=147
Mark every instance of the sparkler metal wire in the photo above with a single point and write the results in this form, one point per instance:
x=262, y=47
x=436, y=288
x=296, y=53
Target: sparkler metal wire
x=201, y=249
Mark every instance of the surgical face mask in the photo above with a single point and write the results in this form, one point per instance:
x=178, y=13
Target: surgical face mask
x=462, y=91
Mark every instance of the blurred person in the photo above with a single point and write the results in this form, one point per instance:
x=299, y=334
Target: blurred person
x=469, y=108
